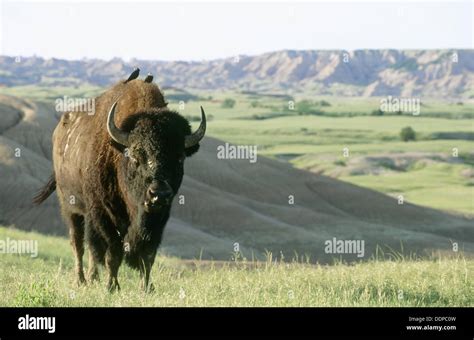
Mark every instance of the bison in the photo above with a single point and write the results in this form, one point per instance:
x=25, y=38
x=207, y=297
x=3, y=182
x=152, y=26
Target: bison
x=116, y=172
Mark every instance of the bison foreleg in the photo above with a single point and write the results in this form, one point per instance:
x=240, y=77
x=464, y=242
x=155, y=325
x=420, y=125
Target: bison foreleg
x=145, y=270
x=113, y=260
x=105, y=244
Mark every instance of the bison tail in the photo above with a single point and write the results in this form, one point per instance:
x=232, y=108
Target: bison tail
x=47, y=190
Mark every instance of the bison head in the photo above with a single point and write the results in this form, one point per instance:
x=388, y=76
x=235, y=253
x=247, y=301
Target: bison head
x=155, y=145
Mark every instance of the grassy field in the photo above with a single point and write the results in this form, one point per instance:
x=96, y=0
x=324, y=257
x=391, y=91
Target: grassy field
x=47, y=280
x=441, y=177
x=438, y=185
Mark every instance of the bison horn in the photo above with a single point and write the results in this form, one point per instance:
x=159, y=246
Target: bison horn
x=117, y=135
x=194, y=138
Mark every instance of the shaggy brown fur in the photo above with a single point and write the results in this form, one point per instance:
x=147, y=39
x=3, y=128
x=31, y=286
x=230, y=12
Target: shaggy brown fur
x=101, y=190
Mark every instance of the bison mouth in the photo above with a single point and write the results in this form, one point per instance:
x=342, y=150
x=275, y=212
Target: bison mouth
x=153, y=205
x=159, y=195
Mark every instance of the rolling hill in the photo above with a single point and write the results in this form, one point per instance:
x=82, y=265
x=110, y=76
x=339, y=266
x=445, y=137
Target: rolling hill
x=432, y=73
x=231, y=201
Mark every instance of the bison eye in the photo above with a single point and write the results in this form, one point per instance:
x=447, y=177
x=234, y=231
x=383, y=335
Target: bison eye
x=181, y=158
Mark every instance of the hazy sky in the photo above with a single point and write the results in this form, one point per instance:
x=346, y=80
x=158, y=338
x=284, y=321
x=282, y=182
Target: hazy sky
x=206, y=30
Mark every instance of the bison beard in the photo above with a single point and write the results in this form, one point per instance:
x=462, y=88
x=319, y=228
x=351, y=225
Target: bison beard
x=115, y=184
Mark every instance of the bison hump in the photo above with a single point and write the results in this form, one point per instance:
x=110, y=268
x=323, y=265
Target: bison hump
x=134, y=96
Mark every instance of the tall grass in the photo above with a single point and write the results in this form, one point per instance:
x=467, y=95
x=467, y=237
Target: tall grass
x=393, y=280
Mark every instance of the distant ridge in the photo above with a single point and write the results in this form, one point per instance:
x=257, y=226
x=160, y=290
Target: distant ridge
x=429, y=73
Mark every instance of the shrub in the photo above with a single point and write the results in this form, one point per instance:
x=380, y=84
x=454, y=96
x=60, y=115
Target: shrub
x=254, y=103
x=304, y=106
x=407, y=134
x=228, y=103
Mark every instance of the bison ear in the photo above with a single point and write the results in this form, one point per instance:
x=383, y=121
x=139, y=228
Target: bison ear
x=191, y=150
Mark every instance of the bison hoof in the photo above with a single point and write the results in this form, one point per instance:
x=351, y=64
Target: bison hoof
x=81, y=280
x=150, y=289
x=94, y=277
x=113, y=287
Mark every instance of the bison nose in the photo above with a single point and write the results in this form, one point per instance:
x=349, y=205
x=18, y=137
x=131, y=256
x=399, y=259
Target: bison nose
x=160, y=191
